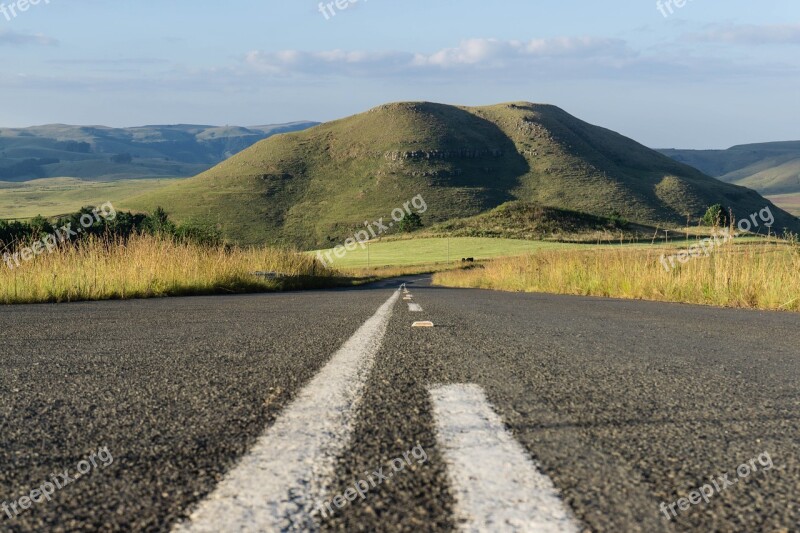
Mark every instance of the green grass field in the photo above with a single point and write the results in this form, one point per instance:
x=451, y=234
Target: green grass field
x=57, y=196
x=435, y=250
x=425, y=251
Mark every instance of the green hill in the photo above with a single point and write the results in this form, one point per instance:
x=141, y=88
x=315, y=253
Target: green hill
x=527, y=221
x=768, y=177
x=316, y=187
x=769, y=168
x=101, y=153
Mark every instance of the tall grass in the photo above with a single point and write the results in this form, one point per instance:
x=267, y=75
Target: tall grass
x=151, y=266
x=759, y=276
x=366, y=275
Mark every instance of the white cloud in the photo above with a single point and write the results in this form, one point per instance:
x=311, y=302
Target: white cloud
x=498, y=53
x=507, y=62
x=12, y=38
x=751, y=34
x=470, y=53
x=109, y=62
x=326, y=62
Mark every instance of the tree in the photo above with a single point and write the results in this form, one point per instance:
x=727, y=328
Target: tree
x=410, y=223
x=40, y=227
x=618, y=220
x=716, y=217
x=159, y=222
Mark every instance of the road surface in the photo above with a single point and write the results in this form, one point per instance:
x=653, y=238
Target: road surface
x=327, y=411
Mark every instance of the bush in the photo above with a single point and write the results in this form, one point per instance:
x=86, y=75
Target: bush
x=617, y=220
x=412, y=222
x=716, y=216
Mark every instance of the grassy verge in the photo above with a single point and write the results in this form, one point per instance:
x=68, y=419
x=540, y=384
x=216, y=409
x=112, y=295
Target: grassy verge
x=758, y=276
x=147, y=266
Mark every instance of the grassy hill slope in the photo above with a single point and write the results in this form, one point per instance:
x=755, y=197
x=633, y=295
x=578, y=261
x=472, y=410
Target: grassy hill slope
x=769, y=168
x=768, y=177
x=315, y=188
x=57, y=196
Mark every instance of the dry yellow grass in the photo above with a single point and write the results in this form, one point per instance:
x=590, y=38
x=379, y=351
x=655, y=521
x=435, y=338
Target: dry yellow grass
x=365, y=275
x=758, y=276
x=147, y=266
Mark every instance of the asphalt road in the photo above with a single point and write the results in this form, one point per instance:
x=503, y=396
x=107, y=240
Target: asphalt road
x=605, y=410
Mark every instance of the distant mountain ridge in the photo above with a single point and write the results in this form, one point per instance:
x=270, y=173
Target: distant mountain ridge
x=314, y=188
x=99, y=152
x=769, y=168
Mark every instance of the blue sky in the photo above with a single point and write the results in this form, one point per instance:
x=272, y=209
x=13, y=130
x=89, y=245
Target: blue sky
x=709, y=75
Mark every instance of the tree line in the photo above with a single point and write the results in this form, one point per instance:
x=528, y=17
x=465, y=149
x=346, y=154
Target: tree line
x=17, y=234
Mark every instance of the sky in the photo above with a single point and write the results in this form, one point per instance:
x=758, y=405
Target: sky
x=682, y=73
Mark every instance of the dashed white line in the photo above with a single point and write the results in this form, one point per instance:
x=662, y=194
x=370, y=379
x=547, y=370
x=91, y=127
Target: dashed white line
x=415, y=308
x=288, y=471
x=497, y=486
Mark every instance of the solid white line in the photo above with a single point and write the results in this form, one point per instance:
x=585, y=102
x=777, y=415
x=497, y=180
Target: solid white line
x=496, y=485
x=415, y=308
x=277, y=484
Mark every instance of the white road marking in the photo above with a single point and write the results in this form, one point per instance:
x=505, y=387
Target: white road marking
x=277, y=484
x=497, y=487
x=415, y=308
